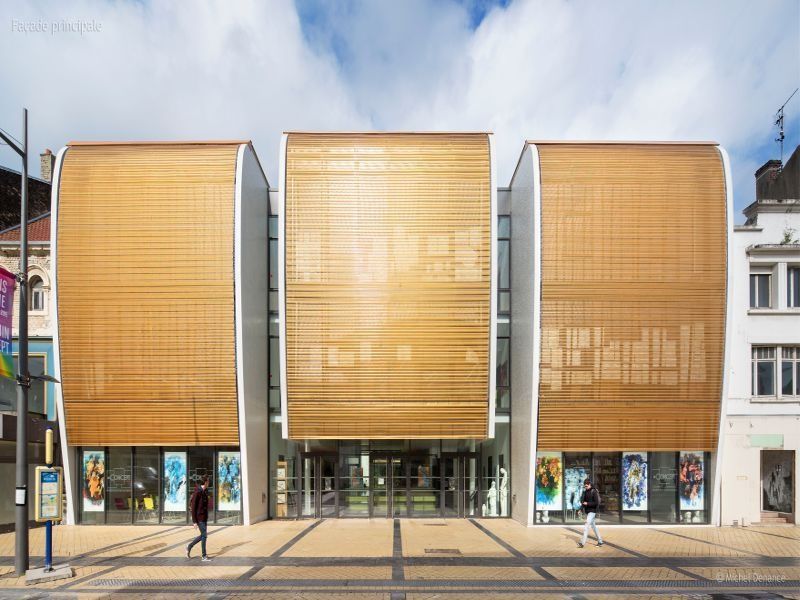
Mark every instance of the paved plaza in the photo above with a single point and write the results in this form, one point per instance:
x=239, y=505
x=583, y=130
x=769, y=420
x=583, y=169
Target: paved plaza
x=414, y=559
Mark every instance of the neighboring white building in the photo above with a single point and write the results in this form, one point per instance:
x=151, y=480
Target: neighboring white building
x=762, y=423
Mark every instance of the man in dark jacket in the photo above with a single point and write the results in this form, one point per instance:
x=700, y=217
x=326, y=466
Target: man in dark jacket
x=590, y=502
x=198, y=506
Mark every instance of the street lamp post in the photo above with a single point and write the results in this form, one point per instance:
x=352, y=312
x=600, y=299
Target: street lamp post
x=23, y=377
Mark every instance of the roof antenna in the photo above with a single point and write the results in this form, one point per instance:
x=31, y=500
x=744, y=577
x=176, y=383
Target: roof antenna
x=779, y=123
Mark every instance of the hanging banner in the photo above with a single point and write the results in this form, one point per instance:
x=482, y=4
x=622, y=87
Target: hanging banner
x=229, y=488
x=7, y=284
x=634, y=481
x=548, y=481
x=175, y=481
x=692, y=480
x=94, y=480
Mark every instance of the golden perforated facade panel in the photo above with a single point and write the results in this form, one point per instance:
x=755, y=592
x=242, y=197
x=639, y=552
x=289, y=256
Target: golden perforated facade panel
x=145, y=293
x=387, y=285
x=633, y=296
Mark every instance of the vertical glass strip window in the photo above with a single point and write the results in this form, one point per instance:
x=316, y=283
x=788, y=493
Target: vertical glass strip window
x=504, y=264
x=793, y=287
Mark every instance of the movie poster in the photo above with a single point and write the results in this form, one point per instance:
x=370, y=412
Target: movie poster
x=229, y=487
x=634, y=481
x=175, y=481
x=691, y=475
x=94, y=480
x=573, y=486
x=548, y=481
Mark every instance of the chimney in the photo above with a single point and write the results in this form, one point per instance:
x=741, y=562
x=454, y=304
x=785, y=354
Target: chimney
x=47, y=163
x=765, y=176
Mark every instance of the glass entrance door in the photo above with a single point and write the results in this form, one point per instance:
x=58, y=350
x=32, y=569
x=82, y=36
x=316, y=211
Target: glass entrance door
x=460, y=485
x=389, y=486
x=318, y=481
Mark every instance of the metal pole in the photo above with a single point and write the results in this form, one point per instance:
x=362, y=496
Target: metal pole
x=23, y=377
x=48, y=540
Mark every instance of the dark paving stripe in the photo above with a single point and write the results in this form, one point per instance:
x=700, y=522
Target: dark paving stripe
x=441, y=561
x=686, y=537
x=607, y=543
x=296, y=538
x=513, y=551
x=785, y=537
x=398, y=573
x=508, y=547
x=81, y=580
x=200, y=585
x=683, y=571
x=249, y=573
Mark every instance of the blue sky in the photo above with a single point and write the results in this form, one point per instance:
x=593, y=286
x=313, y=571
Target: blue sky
x=543, y=69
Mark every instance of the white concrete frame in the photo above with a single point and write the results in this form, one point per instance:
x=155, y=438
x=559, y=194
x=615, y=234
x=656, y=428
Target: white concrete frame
x=525, y=332
x=282, y=284
x=66, y=456
x=716, y=511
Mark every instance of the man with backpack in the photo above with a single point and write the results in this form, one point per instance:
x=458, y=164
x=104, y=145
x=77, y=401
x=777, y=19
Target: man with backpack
x=198, y=505
x=590, y=504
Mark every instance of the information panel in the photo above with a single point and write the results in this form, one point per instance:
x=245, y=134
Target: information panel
x=49, y=493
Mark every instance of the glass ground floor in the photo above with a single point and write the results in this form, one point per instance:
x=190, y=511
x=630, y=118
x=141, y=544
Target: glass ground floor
x=635, y=487
x=150, y=485
x=390, y=478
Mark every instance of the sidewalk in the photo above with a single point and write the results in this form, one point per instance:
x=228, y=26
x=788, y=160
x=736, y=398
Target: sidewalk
x=412, y=559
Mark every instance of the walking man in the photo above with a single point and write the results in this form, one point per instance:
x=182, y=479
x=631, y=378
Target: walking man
x=198, y=505
x=590, y=501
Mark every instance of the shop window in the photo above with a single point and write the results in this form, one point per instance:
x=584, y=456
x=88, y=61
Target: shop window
x=663, y=498
x=201, y=464
x=607, y=480
x=146, y=485
x=119, y=480
x=793, y=287
x=763, y=371
x=760, y=290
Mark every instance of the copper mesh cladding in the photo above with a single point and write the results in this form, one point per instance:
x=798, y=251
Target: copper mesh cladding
x=145, y=294
x=633, y=296
x=387, y=285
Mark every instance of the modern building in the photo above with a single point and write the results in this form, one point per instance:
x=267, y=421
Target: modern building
x=619, y=324
x=402, y=280
x=762, y=423
x=159, y=256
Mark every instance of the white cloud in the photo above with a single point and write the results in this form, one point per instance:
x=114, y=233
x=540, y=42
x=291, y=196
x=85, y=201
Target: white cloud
x=536, y=69
x=168, y=71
